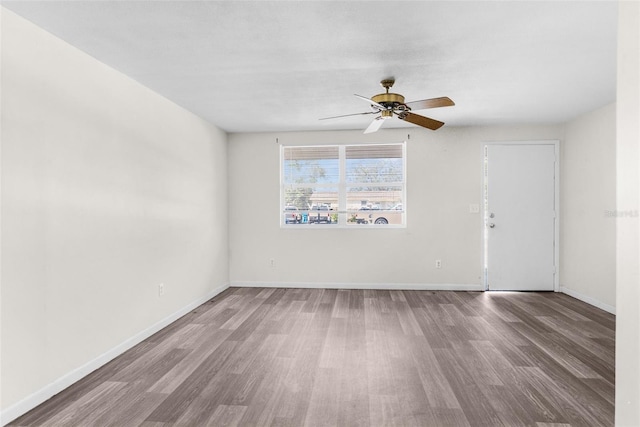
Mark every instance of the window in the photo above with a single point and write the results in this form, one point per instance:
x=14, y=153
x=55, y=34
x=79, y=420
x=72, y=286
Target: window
x=343, y=185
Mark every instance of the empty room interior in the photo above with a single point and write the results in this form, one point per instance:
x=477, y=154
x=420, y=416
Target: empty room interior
x=202, y=225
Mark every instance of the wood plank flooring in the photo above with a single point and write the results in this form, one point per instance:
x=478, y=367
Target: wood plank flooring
x=295, y=357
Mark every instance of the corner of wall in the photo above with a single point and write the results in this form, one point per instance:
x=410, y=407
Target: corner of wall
x=587, y=186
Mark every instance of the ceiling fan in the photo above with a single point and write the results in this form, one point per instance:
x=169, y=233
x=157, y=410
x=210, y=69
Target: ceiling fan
x=390, y=104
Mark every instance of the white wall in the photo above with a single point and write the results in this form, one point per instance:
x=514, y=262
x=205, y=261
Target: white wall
x=108, y=190
x=628, y=231
x=444, y=176
x=587, y=221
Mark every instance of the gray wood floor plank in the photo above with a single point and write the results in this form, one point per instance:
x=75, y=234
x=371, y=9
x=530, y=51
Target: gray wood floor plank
x=323, y=402
x=153, y=356
x=385, y=410
x=307, y=357
x=562, y=399
x=605, y=354
x=557, y=381
x=353, y=391
x=184, y=368
x=510, y=396
x=178, y=401
x=341, y=307
x=133, y=407
x=550, y=342
x=378, y=364
x=435, y=384
x=227, y=416
x=482, y=371
x=407, y=318
x=605, y=389
x=87, y=405
x=477, y=409
x=333, y=350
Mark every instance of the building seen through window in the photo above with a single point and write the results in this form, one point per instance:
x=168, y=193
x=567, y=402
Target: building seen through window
x=343, y=185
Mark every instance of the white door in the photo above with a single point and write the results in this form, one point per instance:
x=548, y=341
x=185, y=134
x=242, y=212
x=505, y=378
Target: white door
x=520, y=191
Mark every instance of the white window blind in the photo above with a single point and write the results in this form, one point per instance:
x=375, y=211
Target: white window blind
x=343, y=185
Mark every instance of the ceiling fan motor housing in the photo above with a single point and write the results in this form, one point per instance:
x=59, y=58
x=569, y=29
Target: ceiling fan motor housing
x=391, y=101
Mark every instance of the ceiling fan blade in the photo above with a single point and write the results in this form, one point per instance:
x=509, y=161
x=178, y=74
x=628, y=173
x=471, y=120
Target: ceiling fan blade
x=375, y=125
x=347, y=115
x=430, y=103
x=425, y=122
x=372, y=102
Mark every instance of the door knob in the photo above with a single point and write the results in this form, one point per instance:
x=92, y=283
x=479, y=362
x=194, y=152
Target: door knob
x=492, y=225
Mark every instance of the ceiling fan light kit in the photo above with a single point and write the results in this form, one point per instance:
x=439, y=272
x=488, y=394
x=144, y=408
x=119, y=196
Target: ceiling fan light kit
x=390, y=104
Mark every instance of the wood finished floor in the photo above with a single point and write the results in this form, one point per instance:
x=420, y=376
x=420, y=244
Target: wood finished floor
x=258, y=357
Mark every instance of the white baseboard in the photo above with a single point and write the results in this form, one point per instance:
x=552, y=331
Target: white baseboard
x=45, y=393
x=387, y=286
x=592, y=301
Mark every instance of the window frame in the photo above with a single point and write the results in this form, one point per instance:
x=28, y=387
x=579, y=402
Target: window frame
x=342, y=188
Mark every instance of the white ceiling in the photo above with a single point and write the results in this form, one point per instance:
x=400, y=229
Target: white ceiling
x=282, y=65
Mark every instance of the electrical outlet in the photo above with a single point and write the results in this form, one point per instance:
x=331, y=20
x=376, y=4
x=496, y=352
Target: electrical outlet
x=160, y=289
x=272, y=263
x=438, y=263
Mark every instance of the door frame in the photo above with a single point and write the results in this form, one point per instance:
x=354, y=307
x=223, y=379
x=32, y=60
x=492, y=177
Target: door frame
x=556, y=238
